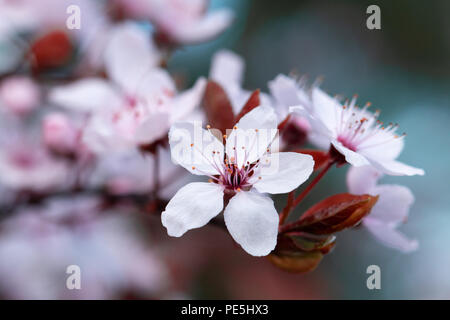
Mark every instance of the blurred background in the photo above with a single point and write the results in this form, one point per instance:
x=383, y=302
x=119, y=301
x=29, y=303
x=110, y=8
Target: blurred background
x=404, y=70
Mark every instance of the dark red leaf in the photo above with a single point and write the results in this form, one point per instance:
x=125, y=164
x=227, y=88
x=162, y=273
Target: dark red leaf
x=296, y=262
x=251, y=104
x=334, y=214
x=321, y=158
x=218, y=109
x=51, y=50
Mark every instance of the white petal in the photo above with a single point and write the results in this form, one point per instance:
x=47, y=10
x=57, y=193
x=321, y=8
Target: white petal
x=156, y=87
x=85, y=95
x=154, y=128
x=393, y=205
x=252, y=221
x=192, y=147
x=205, y=28
x=396, y=168
x=352, y=157
x=381, y=146
x=361, y=180
x=255, y=131
x=284, y=172
x=227, y=68
x=187, y=101
x=129, y=54
x=193, y=206
x=326, y=109
x=286, y=91
x=391, y=237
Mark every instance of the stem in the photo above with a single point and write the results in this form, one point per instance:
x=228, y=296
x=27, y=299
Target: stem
x=284, y=214
x=156, y=173
x=292, y=203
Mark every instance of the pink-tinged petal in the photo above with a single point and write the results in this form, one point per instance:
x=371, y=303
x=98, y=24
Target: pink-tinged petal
x=155, y=88
x=193, y=206
x=129, y=55
x=390, y=236
x=327, y=110
x=396, y=168
x=185, y=103
x=85, y=95
x=204, y=28
x=286, y=91
x=253, y=135
x=283, y=172
x=393, y=205
x=227, y=68
x=361, y=180
x=382, y=146
x=196, y=149
x=352, y=157
x=252, y=221
x=154, y=128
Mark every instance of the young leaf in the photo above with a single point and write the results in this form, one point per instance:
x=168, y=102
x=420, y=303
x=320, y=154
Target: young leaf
x=52, y=50
x=296, y=262
x=251, y=104
x=335, y=214
x=218, y=109
x=321, y=158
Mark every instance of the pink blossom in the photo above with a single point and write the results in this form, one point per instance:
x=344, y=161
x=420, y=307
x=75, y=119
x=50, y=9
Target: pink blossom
x=141, y=103
x=356, y=133
x=390, y=211
x=237, y=170
x=20, y=95
x=59, y=133
x=182, y=22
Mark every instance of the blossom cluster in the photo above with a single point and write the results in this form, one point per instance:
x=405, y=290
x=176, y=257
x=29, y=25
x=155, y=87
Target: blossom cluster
x=94, y=127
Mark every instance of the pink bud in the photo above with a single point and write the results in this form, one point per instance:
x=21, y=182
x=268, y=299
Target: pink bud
x=19, y=94
x=59, y=134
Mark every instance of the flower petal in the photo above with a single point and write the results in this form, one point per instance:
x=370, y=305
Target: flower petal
x=195, y=149
x=393, y=205
x=193, y=206
x=203, y=29
x=252, y=221
x=227, y=68
x=352, y=157
x=85, y=95
x=362, y=179
x=253, y=134
x=285, y=171
x=390, y=236
x=187, y=101
x=129, y=55
x=396, y=168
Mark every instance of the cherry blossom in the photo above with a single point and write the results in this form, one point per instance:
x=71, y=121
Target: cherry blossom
x=241, y=172
x=25, y=165
x=227, y=69
x=356, y=133
x=389, y=212
x=19, y=95
x=112, y=258
x=141, y=104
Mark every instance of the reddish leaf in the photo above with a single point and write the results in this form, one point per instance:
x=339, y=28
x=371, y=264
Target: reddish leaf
x=335, y=214
x=251, y=104
x=218, y=108
x=310, y=242
x=296, y=262
x=282, y=125
x=292, y=134
x=52, y=50
x=321, y=158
